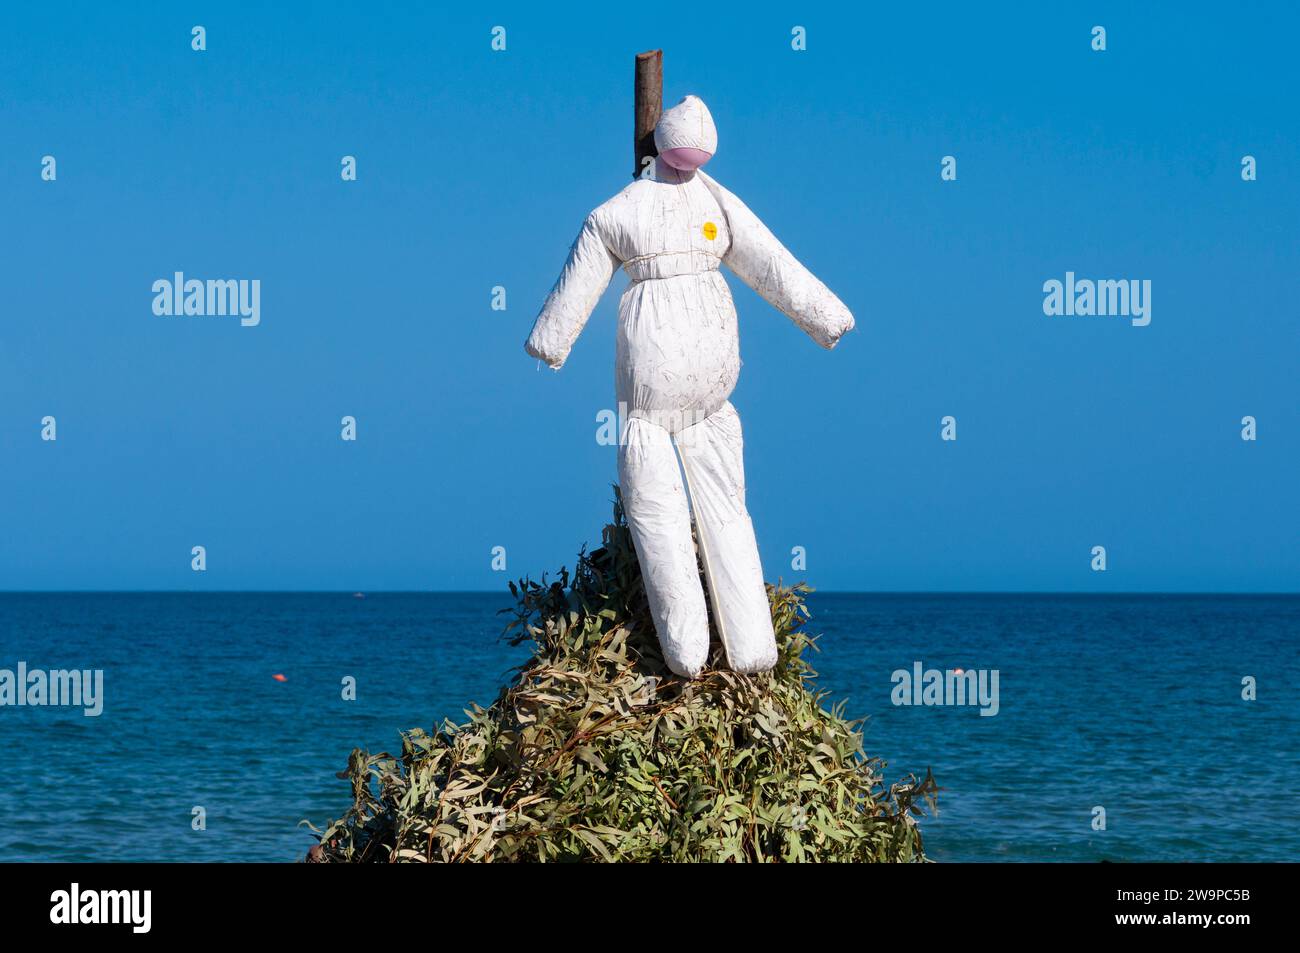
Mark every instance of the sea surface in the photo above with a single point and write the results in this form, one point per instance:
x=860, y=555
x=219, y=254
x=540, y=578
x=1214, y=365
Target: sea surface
x=1131, y=705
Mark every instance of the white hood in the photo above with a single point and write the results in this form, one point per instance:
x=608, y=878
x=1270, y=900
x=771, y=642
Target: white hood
x=687, y=125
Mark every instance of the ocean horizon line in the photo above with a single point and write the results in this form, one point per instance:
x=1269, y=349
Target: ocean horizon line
x=825, y=592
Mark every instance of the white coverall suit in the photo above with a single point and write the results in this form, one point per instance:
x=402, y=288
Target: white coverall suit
x=677, y=361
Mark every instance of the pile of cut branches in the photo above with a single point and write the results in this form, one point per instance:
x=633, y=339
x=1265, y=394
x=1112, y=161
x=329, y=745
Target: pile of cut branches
x=596, y=751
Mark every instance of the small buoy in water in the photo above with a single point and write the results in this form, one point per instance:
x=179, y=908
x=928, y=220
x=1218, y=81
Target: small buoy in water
x=358, y=595
x=279, y=678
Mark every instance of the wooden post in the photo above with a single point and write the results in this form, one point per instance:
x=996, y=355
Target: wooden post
x=649, y=95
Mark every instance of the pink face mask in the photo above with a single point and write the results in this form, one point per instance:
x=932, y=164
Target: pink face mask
x=685, y=159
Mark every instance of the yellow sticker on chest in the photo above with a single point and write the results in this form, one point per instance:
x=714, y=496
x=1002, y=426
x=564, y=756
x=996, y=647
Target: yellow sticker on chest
x=710, y=231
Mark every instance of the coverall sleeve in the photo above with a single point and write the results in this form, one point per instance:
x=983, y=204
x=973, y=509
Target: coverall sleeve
x=763, y=263
x=584, y=279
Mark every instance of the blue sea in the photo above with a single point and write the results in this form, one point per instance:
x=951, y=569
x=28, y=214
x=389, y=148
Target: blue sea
x=1129, y=704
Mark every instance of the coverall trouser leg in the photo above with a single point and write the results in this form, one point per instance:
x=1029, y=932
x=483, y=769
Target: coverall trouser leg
x=656, y=503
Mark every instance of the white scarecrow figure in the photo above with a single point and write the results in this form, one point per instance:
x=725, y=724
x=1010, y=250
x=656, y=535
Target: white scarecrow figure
x=677, y=361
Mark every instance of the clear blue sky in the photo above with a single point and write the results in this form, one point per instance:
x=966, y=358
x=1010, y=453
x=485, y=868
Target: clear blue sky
x=476, y=169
